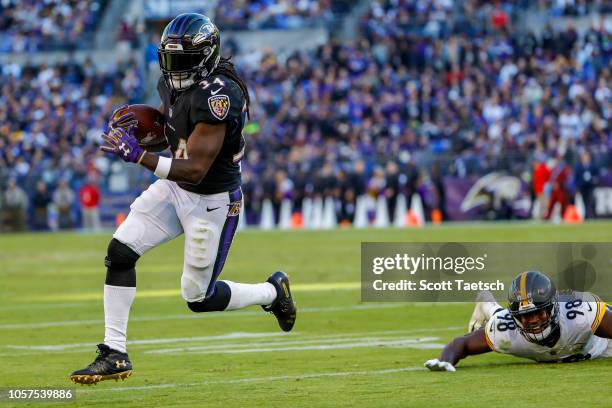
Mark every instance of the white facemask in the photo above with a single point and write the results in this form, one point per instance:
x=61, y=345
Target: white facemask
x=540, y=336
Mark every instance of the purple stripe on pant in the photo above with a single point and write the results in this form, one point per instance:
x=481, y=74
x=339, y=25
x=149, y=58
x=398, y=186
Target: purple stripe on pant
x=227, y=236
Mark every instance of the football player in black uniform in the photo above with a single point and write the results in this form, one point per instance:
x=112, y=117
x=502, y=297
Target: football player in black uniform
x=205, y=104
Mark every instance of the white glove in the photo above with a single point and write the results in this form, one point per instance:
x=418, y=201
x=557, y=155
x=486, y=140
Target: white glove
x=437, y=365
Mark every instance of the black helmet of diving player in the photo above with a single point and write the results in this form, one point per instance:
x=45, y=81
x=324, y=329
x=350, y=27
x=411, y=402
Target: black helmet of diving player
x=533, y=304
x=189, y=50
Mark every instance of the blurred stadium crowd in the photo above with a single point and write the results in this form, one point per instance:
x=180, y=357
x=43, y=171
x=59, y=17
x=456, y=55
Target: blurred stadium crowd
x=34, y=25
x=272, y=14
x=426, y=89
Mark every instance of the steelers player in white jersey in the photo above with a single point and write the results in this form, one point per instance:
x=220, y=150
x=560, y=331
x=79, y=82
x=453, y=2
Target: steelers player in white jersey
x=539, y=323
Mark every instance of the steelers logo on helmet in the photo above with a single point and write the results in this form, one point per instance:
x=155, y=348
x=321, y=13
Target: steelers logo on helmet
x=189, y=50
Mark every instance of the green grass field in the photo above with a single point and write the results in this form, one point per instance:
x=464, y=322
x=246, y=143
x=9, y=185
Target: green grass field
x=341, y=353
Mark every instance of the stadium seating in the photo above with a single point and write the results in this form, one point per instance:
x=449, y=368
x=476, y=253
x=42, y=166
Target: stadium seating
x=423, y=93
x=30, y=25
x=55, y=117
x=273, y=14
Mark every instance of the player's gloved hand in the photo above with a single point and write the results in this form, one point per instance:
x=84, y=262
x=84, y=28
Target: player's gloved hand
x=121, y=142
x=122, y=120
x=437, y=365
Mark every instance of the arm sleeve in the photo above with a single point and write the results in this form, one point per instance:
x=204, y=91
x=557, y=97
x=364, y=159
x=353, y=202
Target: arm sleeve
x=489, y=332
x=215, y=104
x=597, y=312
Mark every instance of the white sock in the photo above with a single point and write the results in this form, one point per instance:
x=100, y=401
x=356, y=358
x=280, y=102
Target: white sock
x=244, y=294
x=117, y=303
x=490, y=308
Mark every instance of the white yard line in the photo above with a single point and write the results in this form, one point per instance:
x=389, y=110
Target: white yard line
x=34, y=306
x=164, y=293
x=283, y=343
x=95, y=305
x=255, y=379
x=228, y=336
x=320, y=345
x=394, y=343
x=64, y=323
x=229, y=340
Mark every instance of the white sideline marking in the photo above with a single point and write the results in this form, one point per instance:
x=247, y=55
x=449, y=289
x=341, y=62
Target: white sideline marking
x=309, y=340
x=396, y=343
x=422, y=343
x=258, y=379
x=293, y=338
x=29, y=306
x=81, y=304
x=157, y=293
x=40, y=325
x=229, y=336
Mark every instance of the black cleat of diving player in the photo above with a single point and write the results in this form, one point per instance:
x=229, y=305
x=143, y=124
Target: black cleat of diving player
x=283, y=307
x=109, y=365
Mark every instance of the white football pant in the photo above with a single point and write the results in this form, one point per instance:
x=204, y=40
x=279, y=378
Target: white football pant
x=164, y=211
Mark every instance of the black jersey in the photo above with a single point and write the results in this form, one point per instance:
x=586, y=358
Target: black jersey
x=214, y=100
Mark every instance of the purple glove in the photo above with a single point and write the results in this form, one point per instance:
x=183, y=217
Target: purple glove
x=122, y=143
x=122, y=120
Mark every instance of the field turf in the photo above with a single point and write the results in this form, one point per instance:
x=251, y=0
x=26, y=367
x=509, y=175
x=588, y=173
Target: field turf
x=342, y=353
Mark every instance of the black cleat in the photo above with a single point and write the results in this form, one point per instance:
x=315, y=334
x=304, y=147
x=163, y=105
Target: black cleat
x=109, y=365
x=283, y=307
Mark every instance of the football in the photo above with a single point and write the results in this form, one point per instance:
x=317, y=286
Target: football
x=150, y=127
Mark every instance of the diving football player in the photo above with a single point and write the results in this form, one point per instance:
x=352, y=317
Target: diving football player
x=539, y=324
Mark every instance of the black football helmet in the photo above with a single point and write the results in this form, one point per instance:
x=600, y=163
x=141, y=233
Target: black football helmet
x=189, y=50
x=530, y=292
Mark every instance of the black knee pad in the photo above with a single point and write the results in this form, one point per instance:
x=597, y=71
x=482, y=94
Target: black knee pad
x=216, y=303
x=120, y=262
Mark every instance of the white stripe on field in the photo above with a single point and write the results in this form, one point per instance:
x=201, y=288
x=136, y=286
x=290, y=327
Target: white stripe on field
x=256, y=379
x=162, y=293
x=32, y=306
x=423, y=343
x=72, y=305
x=396, y=343
x=64, y=323
x=236, y=342
x=233, y=336
x=229, y=336
x=267, y=344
